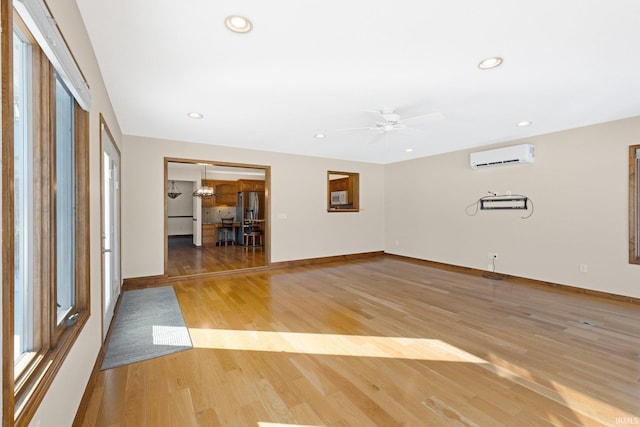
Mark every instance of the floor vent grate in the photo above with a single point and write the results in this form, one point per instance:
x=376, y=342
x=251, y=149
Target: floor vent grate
x=588, y=323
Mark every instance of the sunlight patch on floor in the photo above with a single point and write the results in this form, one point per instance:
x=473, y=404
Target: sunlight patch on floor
x=170, y=335
x=331, y=344
x=582, y=405
x=265, y=424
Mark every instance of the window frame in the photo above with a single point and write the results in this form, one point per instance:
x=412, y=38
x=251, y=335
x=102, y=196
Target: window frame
x=634, y=204
x=58, y=83
x=353, y=188
x=25, y=386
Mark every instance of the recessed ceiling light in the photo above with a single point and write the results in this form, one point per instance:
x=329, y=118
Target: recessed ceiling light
x=408, y=150
x=195, y=115
x=490, y=63
x=320, y=136
x=238, y=24
x=523, y=124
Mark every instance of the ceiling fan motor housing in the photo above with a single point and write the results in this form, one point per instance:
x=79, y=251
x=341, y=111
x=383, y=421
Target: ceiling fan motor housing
x=391, y=117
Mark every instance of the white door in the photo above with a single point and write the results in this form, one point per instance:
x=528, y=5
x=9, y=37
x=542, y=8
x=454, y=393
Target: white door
x=110, y=228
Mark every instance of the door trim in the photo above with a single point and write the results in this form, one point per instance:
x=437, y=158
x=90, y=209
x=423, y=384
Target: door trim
x=104, y=127
x=267, y=202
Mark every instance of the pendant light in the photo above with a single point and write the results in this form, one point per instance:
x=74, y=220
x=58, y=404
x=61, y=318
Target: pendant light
x=174, y=191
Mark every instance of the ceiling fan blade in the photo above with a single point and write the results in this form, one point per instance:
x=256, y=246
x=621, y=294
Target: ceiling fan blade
x=378, y=138
x=375, y=114
x=352, y=129
x=425, y=118
x=415, y=130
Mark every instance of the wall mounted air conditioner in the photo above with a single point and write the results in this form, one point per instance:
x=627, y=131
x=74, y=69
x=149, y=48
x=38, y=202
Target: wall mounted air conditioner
x=506, y=156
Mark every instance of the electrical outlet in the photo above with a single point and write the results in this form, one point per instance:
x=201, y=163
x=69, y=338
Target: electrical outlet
x=492, y=255
x=583, y=268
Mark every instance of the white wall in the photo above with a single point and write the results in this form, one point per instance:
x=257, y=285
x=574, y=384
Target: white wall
x=181, y=206
x=301, y=227
x=579, y=184
x=187, y=173
x=63, y=397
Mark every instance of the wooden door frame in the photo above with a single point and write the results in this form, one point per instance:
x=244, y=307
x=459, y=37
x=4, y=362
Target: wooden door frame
x=104, y=127
x=267, y=202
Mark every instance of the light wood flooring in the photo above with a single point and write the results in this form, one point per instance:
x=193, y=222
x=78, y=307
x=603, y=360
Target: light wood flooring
x=185, y=259
x=382, y=342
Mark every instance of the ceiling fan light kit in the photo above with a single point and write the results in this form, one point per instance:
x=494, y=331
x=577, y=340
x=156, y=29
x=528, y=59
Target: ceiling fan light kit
x=392, y=123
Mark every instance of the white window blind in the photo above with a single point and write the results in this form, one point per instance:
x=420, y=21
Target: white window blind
x=38, y=19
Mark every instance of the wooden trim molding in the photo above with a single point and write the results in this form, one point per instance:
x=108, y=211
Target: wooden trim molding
x=324, y=260
x=54, y=353
x=143, y=282
x=634, y=205
x=6, y=47
x=103, y=127
x=353, y=189
x=519, y=280
x=164, y=280
x=22, y=395
x=267, y=202
x=86, y=395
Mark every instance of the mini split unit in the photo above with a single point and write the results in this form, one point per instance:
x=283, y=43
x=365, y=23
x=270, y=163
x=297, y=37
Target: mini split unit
x=506, y=156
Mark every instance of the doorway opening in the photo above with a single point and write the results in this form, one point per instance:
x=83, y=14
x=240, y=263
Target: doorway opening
x=226, y=231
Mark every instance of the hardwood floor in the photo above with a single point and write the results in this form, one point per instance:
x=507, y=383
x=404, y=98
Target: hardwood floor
x=185, y=259
x=382, y=342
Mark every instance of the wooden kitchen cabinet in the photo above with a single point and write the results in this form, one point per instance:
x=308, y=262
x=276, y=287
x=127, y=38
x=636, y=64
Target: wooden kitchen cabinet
x=341, y=184
x=208, y=234
x=208, y=202
x=227, y=193
x=250, y=185
x=344, y=181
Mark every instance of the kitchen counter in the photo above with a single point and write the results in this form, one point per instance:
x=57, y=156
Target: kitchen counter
x=210, y=232
x=218, y=223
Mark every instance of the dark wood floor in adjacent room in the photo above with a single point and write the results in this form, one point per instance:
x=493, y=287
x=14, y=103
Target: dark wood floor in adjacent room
x=185, y=259
x=382, y=342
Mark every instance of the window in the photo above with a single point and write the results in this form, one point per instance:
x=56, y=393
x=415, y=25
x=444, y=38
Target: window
x=65, y=201
x=23, y=213
x=45, y=213
x=343, y=191
x=634, y=204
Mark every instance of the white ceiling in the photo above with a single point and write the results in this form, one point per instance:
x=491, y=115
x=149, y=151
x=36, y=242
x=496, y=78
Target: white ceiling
x=317, y=66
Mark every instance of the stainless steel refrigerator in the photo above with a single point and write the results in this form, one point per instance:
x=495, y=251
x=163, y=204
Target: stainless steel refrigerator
x=250, y=206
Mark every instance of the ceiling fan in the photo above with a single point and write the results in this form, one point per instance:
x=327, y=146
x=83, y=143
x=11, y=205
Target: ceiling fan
x=388, y=121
